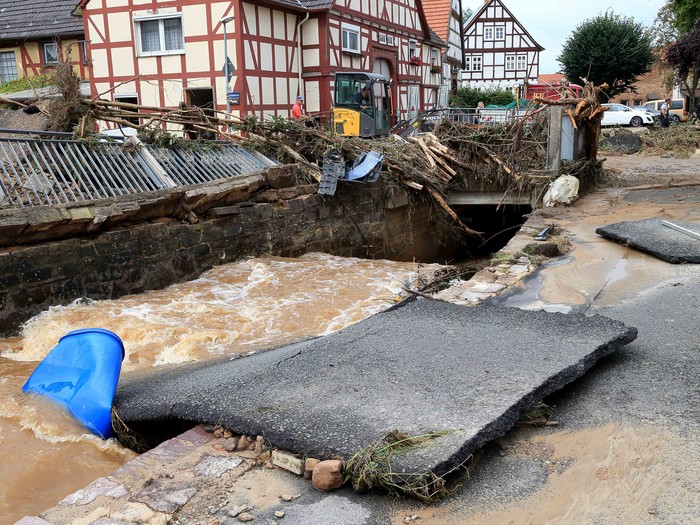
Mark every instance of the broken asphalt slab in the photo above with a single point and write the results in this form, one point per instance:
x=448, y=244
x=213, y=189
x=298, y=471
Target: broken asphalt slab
x=657, y=239
x=425, y=366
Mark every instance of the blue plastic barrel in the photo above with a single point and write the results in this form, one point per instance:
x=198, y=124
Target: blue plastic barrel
x=81, y=373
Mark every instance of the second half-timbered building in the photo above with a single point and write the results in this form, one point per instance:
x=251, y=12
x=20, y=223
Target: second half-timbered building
x=35, y=35
x=170, y=52
x=498, y=49
x=445, y=18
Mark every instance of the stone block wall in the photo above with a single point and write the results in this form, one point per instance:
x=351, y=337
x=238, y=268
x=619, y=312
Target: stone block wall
x=131, y=259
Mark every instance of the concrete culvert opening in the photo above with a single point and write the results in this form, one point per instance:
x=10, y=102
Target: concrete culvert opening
x=497, y=224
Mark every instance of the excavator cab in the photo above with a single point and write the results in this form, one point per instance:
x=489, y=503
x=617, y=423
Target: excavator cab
x=356, y=116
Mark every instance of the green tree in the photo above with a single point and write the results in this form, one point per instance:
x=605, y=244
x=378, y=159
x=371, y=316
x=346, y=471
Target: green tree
x=470, y=97
x=664, y=30
x=684, y=57
x=608, y=49
x=686, y=12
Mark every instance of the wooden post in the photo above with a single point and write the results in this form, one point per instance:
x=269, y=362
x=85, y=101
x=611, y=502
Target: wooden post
x=556, y=113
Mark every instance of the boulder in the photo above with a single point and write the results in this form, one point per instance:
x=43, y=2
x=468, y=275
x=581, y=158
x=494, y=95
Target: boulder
x=328, y=475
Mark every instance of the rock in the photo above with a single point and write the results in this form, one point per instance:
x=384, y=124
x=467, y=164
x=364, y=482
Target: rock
x=245, y=516
x=328, y=475
x=281, y=177
x=289, y=497
x=242, y=443
x=259, y=444
x=288, y=461
x=279, y=514
x=518, y=269
x=235, y=511
x=230, y=444
x=309, y=467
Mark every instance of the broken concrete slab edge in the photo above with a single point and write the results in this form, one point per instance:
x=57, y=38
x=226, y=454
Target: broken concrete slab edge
x=499, y=427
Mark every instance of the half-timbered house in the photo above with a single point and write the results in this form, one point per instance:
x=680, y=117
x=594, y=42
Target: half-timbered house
x=170, y=52
x=36, y=34
x=498, y=49
x=445, y=18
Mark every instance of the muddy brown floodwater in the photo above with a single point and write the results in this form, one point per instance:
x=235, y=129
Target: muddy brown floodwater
x=233, y=309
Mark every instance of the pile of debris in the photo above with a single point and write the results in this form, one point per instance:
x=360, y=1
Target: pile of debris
x=508, y=158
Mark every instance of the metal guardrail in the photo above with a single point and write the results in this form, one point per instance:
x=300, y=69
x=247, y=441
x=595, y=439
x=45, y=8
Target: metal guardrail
x=485, y=116
x=41, y=172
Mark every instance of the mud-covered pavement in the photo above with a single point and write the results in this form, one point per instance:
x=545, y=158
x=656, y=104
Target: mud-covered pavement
x=626, y=449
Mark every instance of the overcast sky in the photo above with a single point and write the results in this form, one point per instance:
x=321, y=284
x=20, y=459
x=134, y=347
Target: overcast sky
x=550, y=22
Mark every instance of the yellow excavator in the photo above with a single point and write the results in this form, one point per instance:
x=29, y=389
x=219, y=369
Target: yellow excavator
x=363, y=106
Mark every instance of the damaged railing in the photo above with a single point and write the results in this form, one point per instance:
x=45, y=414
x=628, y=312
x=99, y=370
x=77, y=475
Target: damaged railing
x=50, y=171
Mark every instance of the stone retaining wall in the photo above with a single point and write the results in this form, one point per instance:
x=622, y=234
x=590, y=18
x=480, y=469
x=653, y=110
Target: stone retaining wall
x=126, y=259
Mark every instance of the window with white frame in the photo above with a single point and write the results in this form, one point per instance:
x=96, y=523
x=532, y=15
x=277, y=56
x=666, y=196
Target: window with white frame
x=390, y=40
x=434, y=57
x=412, y=46
x=510, y=62
x=500, y=32
x=351, y=38
x=382, y=38
x=488, y=33
x=522, y=62
x=160, y=35
x=49, y=51
x=473, y=63
x=8, y=66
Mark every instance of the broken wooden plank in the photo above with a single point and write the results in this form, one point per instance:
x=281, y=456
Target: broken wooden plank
x=412, y=184
x=502, y=165
x=443, y=204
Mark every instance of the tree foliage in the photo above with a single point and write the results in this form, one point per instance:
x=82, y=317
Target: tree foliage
x=470, y=97
x=686, y=13
x=665, y=26
x=684, y=57
x=675, y=19
x=608, y=49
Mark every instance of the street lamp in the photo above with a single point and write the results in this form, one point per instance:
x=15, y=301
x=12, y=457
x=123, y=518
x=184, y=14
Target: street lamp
x=225, y=21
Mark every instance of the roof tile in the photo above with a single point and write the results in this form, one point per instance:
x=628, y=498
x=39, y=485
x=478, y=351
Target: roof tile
x=437, y=14
x=29, y=19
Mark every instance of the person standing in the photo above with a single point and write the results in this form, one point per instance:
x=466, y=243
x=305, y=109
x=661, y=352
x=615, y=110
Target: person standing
x=665, y=108
x=297, y=109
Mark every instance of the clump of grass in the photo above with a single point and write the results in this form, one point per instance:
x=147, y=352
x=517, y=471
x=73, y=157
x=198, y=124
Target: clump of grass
x=502, y=258
x=371, y=469
x=24, y=84
x=539, y=416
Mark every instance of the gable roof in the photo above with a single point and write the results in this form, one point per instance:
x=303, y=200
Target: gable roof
x=437, y=14
x=31, y=19
x=498, y=3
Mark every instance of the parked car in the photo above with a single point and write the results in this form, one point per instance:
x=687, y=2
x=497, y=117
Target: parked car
x=678, y=111
x=621, y=115
x=653, y=113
